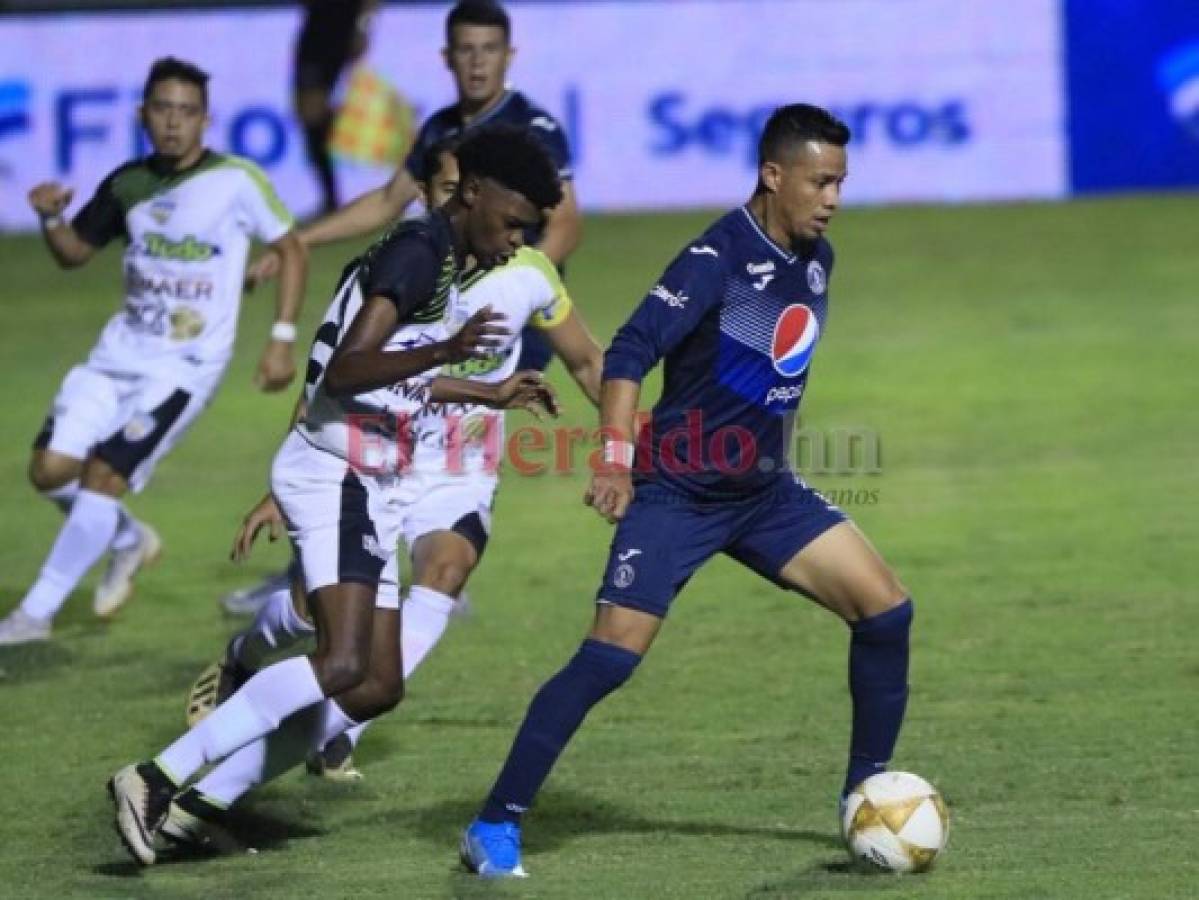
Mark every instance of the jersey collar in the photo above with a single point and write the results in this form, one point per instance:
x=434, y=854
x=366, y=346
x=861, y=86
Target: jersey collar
x=766, y=239
x=490, y=114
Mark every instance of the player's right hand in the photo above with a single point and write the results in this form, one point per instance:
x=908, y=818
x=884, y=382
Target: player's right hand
x=264, y=268
x=50, y=198
x=266, y=513
x=480, y=336
x=610, y=493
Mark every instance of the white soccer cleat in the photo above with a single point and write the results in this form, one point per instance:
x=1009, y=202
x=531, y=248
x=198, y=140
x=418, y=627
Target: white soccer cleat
x=116, y=587
x=18, y=627
x=141, y=811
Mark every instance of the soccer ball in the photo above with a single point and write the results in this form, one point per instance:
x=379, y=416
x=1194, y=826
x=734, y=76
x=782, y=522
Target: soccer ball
x=895, y=821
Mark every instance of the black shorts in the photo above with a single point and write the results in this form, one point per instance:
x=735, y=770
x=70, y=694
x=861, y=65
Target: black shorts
x=325, y=43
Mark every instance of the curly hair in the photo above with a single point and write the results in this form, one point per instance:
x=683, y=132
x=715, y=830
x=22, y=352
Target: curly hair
x=515, y=159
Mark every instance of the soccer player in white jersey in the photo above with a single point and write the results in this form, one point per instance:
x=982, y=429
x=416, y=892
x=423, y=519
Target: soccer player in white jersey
x=447, y=495
x=187, y=216
x=337, y=474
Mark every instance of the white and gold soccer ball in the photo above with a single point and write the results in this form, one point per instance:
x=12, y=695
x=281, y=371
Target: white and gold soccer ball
x=895, y=821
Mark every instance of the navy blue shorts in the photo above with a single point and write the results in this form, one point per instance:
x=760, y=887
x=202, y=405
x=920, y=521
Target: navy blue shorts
x=665, y=537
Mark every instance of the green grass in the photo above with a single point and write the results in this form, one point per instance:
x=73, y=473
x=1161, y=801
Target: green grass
x=1025, y=367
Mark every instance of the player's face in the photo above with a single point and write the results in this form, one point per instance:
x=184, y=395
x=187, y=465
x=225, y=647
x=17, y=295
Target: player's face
x=498, y=218
x=441, y=187
x=807, y=189
x=478, y=56
x=174, y=116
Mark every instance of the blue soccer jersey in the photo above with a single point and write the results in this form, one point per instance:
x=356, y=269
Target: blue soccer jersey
x=514, y=108
x=737, y=319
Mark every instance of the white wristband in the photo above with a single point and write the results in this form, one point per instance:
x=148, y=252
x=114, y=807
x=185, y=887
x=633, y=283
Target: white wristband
x=283, y=331
x=619, y=453
x=54, y=221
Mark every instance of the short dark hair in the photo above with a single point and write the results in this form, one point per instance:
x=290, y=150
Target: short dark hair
x=477, y=12
x=168, y=67
x=789, y=126
x=514, y=158
x=430, y=159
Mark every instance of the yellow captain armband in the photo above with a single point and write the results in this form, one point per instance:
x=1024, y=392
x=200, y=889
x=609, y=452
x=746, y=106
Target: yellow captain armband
x=554, y=312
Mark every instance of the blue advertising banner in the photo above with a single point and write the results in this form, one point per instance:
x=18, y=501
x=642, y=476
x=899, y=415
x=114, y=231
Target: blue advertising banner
x=1133, y=83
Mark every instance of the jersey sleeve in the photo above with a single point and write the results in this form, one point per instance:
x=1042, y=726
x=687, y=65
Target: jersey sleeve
x=404, y=271
x=688, y=290
x=553, y=306
x=268, y=219
x=552, y=137
x=102, y=217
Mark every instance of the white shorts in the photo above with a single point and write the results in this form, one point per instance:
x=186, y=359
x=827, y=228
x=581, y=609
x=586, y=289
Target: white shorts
x=130, y=421
x=344, y=524
x=437, y=502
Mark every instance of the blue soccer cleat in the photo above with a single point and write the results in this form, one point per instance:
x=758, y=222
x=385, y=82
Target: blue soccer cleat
x=492, y=849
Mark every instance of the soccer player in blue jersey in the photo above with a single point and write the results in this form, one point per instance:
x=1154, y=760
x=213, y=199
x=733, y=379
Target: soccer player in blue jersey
x=736, y=317
x=478, y=53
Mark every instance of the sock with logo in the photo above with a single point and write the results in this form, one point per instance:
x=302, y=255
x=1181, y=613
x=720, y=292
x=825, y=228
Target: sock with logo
x=254, y=710
x=555, y=714
x=81, y=541
x=878, y=685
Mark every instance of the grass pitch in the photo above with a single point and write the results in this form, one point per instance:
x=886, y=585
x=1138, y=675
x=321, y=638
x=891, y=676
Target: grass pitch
x=1025, y=370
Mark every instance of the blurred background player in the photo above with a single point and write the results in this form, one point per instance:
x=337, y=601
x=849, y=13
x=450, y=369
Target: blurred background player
x=334, y=33
x=449, y=490
x=478, y=53
x=186, y=216
x=737, y=317
x=339, y=495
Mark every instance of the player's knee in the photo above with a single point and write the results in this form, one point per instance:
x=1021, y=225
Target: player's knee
x=378, y=695
x=608, y=666
x=341, y=672
x=446, y=576
x=46, y=475
x=100, y=477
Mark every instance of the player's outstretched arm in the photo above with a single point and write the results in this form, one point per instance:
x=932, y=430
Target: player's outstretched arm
x=361, y=216
x=563, y=227
x=50, y=200
x=611, y=489
x=277, y=366
x=365, y=214
x=361, y=364
x=579, y=352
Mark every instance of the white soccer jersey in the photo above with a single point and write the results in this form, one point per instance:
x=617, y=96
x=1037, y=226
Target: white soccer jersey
x=187, y=237
x=466, y=439
x=414, y=266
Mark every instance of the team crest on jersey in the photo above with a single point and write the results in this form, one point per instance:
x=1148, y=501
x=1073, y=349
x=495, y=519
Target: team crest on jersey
x=161, y=209
x=624, y=576
x=817, y=281
x=795, y=335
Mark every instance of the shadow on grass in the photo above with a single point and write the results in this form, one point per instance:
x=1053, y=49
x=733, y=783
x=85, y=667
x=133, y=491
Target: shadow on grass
x=839, y=876
x=25, y=663
x=255, y=831
x=563, y=816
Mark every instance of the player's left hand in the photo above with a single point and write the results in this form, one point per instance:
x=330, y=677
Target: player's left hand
x=266, y=513
x=276, y=367
x=530, y=391
x=610, y=493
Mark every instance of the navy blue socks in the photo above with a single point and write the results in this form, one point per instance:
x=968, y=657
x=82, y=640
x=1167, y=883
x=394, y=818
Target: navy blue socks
x=555, y=714
x=878, y=684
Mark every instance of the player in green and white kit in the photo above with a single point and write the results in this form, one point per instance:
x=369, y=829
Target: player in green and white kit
x=187, y=216
x=446, y=497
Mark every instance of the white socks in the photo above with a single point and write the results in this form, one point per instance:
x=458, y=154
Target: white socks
x=425, y=615
x=82, y=540
x=128, y=534
x=277, y=627
x=269, y=757
x=255, y=710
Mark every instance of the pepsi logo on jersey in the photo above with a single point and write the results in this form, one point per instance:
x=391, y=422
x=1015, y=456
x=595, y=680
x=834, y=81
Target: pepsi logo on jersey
x=795, y=336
